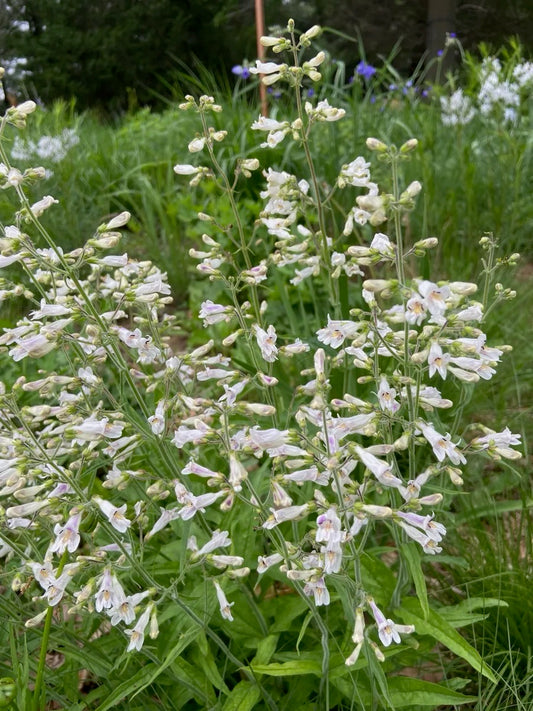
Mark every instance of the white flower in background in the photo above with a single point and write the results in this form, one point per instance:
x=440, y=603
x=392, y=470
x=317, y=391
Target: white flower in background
x=457, y=109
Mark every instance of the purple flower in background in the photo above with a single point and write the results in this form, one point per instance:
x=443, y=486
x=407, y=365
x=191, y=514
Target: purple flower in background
x=440, y=53
x=240, y=71
x=453, y=35
x=310, y=92
x=365, y=70
x=276, y=93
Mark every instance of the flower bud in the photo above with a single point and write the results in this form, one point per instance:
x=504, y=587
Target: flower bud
x=428, y=243
x=377, y=285
x=312, y=32
x=409, y=145
x=373, y=144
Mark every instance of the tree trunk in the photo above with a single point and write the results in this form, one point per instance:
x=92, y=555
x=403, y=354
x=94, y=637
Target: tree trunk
x=440, y=20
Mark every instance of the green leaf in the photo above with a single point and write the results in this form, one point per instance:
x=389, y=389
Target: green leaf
x=243, y=697
x=304, y=626
x=403, y=693
x=138, y=681
x=376, y=672
x=265, y=649
x=292, y=668
x=406, y=692
x=204, y=660
x=441, y=630
x=462, y=614
x=148, y=674
x=412, y=556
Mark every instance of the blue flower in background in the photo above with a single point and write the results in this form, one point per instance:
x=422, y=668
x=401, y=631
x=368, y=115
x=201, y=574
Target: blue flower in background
x=365, y=70
x=309, y=93
x=275, y=93
x=242, y=72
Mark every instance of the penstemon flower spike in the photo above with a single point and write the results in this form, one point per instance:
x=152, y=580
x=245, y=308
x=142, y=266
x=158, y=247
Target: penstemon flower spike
x=184, y=437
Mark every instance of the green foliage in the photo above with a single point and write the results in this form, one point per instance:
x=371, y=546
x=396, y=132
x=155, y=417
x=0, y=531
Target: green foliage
x=272, y=655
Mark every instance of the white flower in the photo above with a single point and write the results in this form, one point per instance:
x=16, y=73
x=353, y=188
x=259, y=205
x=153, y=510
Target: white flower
x=265, y=562
x=196, y=145
x=67, y=536
x=416, y=310
x=184, y=434
x=115, y=514
x=324, y=112
x=93, y=429
x=355, y=173
x=34, y=346
x=290, y=513
x=225, y=606
x=185, y=169
x=435, y=297
x=319, y=591
x=125, y=610
x=157, y=421
x=442, y=446
x=219, y=539
x=437, y=361
x=214, y=313
x=381, y=470
x=110, y=593
x=43, y=204
x=268, y=124
x=266, y=340
x=386, y=396
x=136, y=634
x=336, y=332
x=388, y=630
x=266, y=67
x=431, y=528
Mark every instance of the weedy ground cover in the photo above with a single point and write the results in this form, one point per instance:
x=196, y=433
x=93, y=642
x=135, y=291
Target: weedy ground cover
x=294, y=486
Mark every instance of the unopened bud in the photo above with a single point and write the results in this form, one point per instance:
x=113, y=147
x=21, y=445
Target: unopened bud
x=377, y=285
x=312, y=32
x=409, y=145
x=374, y=144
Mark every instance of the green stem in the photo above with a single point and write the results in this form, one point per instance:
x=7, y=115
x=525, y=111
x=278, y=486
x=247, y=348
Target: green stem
x=39, y=698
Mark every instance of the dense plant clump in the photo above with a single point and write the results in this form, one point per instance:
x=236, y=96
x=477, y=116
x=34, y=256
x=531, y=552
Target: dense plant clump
x=306, y=447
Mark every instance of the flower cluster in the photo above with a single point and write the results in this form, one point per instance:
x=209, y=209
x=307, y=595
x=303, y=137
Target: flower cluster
x=126, y=437
x=500, y=94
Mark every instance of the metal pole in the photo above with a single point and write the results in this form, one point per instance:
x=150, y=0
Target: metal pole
x=260, y=31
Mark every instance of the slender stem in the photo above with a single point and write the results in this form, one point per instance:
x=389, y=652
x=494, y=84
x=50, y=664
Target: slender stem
x=39, y=699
